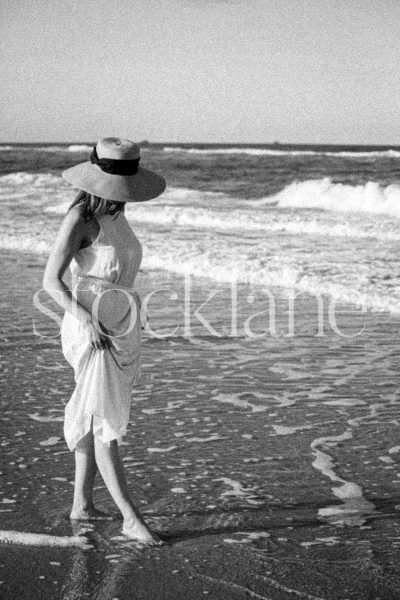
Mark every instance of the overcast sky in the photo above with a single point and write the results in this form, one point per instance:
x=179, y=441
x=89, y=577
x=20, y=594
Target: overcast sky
x=312, y=71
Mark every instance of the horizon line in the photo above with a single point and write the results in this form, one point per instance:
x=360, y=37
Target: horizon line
x=145, y=142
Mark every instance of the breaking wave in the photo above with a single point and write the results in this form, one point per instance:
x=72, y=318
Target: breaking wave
x=279, y=240
x=391, y=153
x=370, y=197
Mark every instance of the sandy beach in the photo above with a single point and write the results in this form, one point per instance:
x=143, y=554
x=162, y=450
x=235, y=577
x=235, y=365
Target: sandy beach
x=269, y=466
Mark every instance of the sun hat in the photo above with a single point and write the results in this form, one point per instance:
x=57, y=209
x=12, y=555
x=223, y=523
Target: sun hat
x=113, y=173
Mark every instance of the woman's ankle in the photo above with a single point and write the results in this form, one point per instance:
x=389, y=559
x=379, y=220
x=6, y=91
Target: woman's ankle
x=82, y=504
x=133, y=517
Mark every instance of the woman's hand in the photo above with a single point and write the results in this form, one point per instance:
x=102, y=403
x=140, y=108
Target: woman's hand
x=98, y=340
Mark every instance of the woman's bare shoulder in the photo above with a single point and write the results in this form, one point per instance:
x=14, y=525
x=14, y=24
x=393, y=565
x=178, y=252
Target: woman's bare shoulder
x=74, y=215
x=73, y=229
x=74, y=221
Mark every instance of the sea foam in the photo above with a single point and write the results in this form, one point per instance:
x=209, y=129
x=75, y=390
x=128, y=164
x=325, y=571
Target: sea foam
x=323, y=194
x=79, y=148
x=288, y=153
x=281, y=240
x=24, y=538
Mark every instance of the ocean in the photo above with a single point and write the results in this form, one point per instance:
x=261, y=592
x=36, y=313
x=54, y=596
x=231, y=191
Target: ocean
x=268, y=463
x=318, y=219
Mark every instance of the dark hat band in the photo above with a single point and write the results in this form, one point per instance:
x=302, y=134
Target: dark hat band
x=114, y=166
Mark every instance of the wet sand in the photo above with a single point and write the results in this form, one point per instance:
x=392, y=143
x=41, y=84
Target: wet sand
x=269, y=466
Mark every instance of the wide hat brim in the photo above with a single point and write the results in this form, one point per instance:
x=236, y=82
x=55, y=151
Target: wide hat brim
x=142, y=186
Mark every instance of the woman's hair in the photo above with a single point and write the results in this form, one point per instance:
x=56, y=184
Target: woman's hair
x=92, y=205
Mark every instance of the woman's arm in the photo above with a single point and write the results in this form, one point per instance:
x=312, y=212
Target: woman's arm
x=71, y=234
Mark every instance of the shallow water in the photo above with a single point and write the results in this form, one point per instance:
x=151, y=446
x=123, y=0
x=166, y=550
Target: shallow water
x=270, y=466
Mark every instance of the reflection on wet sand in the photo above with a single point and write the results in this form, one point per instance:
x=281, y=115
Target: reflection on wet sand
x=269, y=467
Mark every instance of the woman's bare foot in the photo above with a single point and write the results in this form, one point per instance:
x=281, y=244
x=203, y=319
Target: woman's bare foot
x=89, y=513
x=137, y=530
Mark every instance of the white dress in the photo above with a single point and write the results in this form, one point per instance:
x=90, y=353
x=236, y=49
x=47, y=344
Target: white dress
x=103, y=274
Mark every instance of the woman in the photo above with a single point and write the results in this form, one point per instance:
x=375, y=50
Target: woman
x=101, y=330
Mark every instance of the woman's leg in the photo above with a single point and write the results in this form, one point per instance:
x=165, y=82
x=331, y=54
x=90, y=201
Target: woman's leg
x=85, y=472
x=113, y=474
